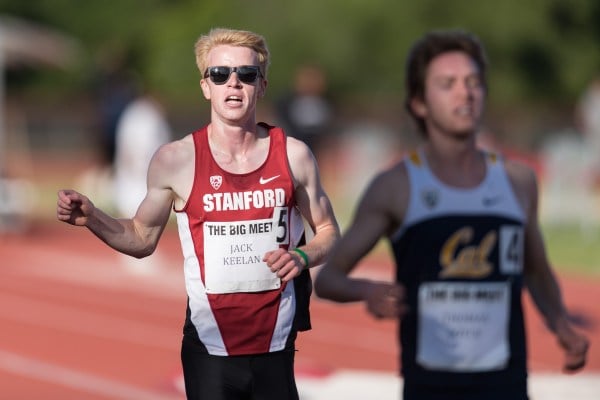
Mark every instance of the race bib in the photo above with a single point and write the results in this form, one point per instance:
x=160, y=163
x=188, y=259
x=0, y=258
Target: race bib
x=233, y=253
x=463, y=327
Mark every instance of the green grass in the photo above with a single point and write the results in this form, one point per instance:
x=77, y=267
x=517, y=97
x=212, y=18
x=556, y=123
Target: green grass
x=573, y=249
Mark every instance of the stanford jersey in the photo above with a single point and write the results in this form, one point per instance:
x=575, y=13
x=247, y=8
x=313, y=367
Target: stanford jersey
x=236, y=305
x=460, y=256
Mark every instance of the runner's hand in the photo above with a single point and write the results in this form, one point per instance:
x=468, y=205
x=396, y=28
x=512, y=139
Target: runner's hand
x=286, y=265
x=385, y=300
x=73, y=207
x=575, y=346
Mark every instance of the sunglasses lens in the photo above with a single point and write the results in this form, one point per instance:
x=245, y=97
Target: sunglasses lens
x=219, y=75
x=247, y=74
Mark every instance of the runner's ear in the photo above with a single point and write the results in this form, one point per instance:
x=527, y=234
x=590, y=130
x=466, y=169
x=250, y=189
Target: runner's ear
x=205, y=88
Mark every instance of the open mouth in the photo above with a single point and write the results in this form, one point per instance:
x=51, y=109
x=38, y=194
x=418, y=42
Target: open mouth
x=235, y=99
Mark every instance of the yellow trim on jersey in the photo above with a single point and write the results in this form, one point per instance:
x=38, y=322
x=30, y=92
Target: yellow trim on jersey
x=493, y=157
x=415, y=158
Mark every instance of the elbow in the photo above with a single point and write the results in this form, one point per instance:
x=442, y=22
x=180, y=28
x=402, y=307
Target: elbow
x=139, y=256
x=318, y=286
x=143, y=252
x=321, y=286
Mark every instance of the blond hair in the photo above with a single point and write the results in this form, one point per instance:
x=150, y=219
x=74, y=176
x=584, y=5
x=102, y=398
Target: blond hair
x=231, y=37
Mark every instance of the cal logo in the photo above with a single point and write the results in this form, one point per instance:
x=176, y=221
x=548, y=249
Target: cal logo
x=216, y=181
x=461, y=258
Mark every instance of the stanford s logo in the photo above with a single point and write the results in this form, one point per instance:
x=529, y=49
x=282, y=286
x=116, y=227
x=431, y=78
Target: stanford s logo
x=216, y=181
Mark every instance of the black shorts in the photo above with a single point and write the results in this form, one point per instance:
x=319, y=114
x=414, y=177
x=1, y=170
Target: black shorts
x=428, y=392
x=267, y=376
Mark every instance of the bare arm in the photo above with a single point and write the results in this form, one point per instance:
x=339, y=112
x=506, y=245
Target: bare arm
x=313, y=202
x=379, y=211
x=315, y=206
x=137, y=236
x=539, y=277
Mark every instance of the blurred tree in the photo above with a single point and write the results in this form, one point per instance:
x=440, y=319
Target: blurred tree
x=541, y=51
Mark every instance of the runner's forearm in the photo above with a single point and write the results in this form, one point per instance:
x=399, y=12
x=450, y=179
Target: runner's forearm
x=318, y=248
x=119, y=234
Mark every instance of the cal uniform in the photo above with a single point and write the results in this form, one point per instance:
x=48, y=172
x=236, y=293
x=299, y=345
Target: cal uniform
x=460, y=256
x=236, y=305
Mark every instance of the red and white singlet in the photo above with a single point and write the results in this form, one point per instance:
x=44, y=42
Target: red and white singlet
x=236, y=305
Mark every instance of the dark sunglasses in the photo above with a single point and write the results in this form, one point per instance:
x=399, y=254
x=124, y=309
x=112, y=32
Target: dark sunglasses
x=220, y=74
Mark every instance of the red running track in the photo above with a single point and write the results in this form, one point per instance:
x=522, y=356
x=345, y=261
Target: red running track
x=79, y=322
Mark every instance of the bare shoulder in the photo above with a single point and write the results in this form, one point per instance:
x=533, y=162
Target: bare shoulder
x=298, y=151
x=172, y=167
x=521, y=175
x=175, y=154
x=393, y=178
x=524, y=182
x=388, y=192
x=302, y=161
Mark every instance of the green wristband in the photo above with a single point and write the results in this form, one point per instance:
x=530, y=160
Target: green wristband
x=303, y=255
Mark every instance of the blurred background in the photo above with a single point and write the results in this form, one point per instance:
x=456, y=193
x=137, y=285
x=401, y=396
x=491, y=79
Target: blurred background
x=69, y=69
x=82, y=80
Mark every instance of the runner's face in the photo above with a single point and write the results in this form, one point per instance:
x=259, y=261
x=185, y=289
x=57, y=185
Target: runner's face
x=233, y=101
x=454, y=96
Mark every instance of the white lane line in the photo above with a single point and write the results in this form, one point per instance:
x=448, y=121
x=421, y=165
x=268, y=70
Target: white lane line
x=58, y=375
x=71, y=319
x=359, y=385
x=104, y=271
